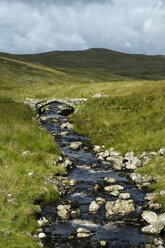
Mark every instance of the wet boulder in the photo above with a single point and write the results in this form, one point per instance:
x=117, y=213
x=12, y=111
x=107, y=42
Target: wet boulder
x=157, y=222
x=100, y=201
x=119, y=208
x=96, y=149
x=149, y=216
x=45, y=118
x=154, y=228
x=64, y=211
x=109, y=180
x=142, y=180
x=67, y=164
x=114, y=188
x=131, y=162
x=124, y=196
x=83, y=233
x=75, y=145
x=68, y=210
x=64, y=133
x=144, y=158
x=115, y=193
x=42, y=221
x=66, y=125
x=103, y=243
x=94, y=207
x=159, y=242
x=118, y=166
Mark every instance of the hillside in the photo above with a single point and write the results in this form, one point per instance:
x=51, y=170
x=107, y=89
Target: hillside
x=129, y=118
x=100, y=64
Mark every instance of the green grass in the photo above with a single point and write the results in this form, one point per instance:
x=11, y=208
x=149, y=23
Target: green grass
x=156, y=167
x=130, y=117
x=100, y=64
x=20, y=133
x=131, y=121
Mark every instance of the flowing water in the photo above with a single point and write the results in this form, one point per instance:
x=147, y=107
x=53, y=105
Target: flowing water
x=117, y=233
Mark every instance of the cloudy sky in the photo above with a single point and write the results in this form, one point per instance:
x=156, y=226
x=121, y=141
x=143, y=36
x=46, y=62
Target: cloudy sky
x=131, y=26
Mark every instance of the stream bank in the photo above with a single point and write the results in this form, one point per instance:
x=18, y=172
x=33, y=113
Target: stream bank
x=99, y=206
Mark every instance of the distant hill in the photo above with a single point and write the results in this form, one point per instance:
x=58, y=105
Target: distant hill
x=100, y=64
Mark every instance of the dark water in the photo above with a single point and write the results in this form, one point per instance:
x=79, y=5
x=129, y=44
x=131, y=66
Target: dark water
x=123, y=233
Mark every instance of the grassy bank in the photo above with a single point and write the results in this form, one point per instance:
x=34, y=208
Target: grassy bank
x=20, y=133
x=130, y=117
x=128, y=120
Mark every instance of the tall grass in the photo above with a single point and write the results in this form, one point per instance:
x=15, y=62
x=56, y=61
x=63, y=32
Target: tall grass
x=130, y=117
x=20, y=133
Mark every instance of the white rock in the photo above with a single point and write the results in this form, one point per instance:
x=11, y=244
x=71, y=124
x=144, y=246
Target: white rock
x=124, y=196
x=100, y=200
x=119, y=208
x=133, y=163
x=83, y=235
x=109, y=180
x=161, y=151
x=143, y=155
x=93, y=207
x=105, y=154
x=118, y=166
x=96, y=149
x=75, y=145
x=100, y=158
x=114, y=154
x=67, y=163
x=44, y=118
x=161, y=218
x=73, y=182
x=25, y=153
x=162, y=192
x=42, y=221
x=64, y=214
x=153, y=153
x=129, y=155
x=61, y=207
x=158, y=241
x=150, y=196
x=149, y=216
x=82, y=230
x=42, y=235
x=64, y=211
x=115, y=193
x=154, y=228
x=103, y=243
x=98, y=95
x=67, y=125
x=114, y=188
x=31, y=173
x=64, y=133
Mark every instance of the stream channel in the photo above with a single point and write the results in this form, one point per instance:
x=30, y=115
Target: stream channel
x=116, y=232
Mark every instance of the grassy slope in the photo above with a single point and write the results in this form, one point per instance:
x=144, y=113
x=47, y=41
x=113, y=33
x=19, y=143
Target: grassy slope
x=101, y=64
x=20, y=133
x=129, y=118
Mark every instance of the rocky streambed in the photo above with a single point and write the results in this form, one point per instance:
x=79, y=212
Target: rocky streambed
x=99, y=205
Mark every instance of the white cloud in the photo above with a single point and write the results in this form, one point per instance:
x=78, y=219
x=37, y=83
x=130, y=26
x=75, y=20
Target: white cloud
x=132, y=26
